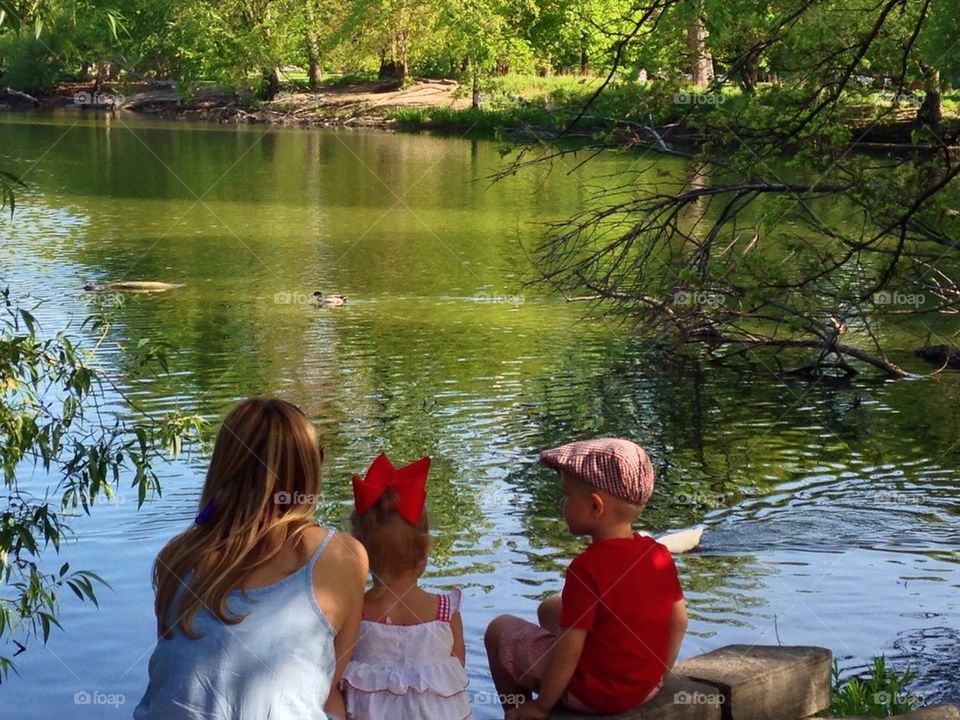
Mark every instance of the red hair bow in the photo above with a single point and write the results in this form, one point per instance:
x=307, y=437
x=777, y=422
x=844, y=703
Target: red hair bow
x=408, y=482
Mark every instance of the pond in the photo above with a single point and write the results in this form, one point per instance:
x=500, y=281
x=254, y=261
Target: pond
x=831, y=508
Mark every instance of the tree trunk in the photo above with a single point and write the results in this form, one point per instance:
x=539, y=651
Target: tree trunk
x=393, y=59
x=931, y=111
x=584, y=56
x=313, y=47
x=475, y=104
x=749, y=75
x=103, y=75
x=270, y=84
x=270, y=74
x=701, y=61
x=402, y=54
x=390, y=69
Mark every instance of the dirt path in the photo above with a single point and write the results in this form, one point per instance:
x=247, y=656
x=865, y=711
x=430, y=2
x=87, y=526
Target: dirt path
x=362, y=104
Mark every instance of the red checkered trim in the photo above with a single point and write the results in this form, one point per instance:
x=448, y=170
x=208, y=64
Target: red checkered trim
x=619, y=467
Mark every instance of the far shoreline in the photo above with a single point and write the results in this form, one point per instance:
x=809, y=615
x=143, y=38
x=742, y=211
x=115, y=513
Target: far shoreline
x=440, y=106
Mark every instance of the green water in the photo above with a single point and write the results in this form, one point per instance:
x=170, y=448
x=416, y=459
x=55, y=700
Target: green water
x=831, y=508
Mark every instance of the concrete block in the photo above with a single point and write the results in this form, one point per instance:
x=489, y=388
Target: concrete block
x=679, y=699
x=765, y=682
x=934, y=712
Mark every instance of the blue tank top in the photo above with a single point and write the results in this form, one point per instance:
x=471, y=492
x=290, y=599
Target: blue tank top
x=277, y=663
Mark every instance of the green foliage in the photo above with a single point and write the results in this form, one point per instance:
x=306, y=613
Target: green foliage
x=57, y=422
x=482, y=120
x=29, y=63
x=880, y=694
x=939, y=40
x=538, y=86
x=228, y=41
x=8, y=185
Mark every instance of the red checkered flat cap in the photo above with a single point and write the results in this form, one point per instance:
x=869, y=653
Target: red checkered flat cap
x=619, y=467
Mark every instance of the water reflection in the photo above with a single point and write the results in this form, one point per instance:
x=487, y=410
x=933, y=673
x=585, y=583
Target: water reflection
x=810, y=491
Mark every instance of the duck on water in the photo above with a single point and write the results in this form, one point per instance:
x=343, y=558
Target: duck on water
x=332, y=300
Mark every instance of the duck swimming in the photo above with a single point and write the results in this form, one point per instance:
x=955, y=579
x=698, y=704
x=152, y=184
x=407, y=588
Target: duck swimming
x=680, y=541
x=332, y=300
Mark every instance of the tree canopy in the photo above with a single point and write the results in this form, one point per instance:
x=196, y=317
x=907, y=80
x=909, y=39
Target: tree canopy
x=234, y=40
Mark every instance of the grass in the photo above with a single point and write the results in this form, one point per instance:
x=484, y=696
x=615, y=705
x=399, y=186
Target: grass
x=881, y=693
x=481, y=121
x=535, y=86
x=296, y=79
x=550, y=103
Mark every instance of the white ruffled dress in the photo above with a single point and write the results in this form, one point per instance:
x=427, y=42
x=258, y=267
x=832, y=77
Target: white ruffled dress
x=406, y=672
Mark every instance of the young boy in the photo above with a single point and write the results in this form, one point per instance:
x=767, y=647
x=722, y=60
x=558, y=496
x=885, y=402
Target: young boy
x=607, y=642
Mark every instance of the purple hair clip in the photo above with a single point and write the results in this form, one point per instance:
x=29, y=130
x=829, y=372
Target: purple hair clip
x=205, y=515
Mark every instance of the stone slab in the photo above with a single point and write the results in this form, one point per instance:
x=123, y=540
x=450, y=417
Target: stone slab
x=765, y=682
x=679, y=699
x=945, y=711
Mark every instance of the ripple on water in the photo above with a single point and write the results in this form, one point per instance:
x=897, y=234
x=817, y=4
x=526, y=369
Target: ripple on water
x=830, y=509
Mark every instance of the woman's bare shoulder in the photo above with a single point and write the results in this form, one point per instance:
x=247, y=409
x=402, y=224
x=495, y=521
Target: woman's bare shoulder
x=343, y=551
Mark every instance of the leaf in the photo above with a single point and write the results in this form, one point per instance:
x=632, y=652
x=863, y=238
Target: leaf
x=29, y=320
x=76, y=590
x=8, y=182
x=141, y=490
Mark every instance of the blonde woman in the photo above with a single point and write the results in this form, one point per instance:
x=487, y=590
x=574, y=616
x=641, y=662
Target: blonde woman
x=257, y=606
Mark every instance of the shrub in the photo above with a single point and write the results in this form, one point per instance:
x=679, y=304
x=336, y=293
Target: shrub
x=29, y=64
x=881, y=693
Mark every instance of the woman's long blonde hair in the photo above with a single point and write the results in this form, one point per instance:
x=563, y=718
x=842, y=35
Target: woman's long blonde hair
x=259, y=497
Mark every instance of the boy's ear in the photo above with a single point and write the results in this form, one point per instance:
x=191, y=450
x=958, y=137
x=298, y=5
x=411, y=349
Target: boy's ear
x=597, y=504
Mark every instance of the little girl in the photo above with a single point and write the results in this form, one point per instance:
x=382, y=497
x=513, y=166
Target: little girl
x=409, y=659
x=254, y=591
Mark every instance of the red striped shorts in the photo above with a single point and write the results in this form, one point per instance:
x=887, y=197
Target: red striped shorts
x=523, y=655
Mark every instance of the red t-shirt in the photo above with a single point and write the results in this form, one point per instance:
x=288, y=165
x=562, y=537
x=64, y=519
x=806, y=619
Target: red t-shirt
x=622, y=592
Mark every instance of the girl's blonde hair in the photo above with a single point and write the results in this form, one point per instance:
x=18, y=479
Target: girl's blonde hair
x=259, y=497
x=393, y=545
